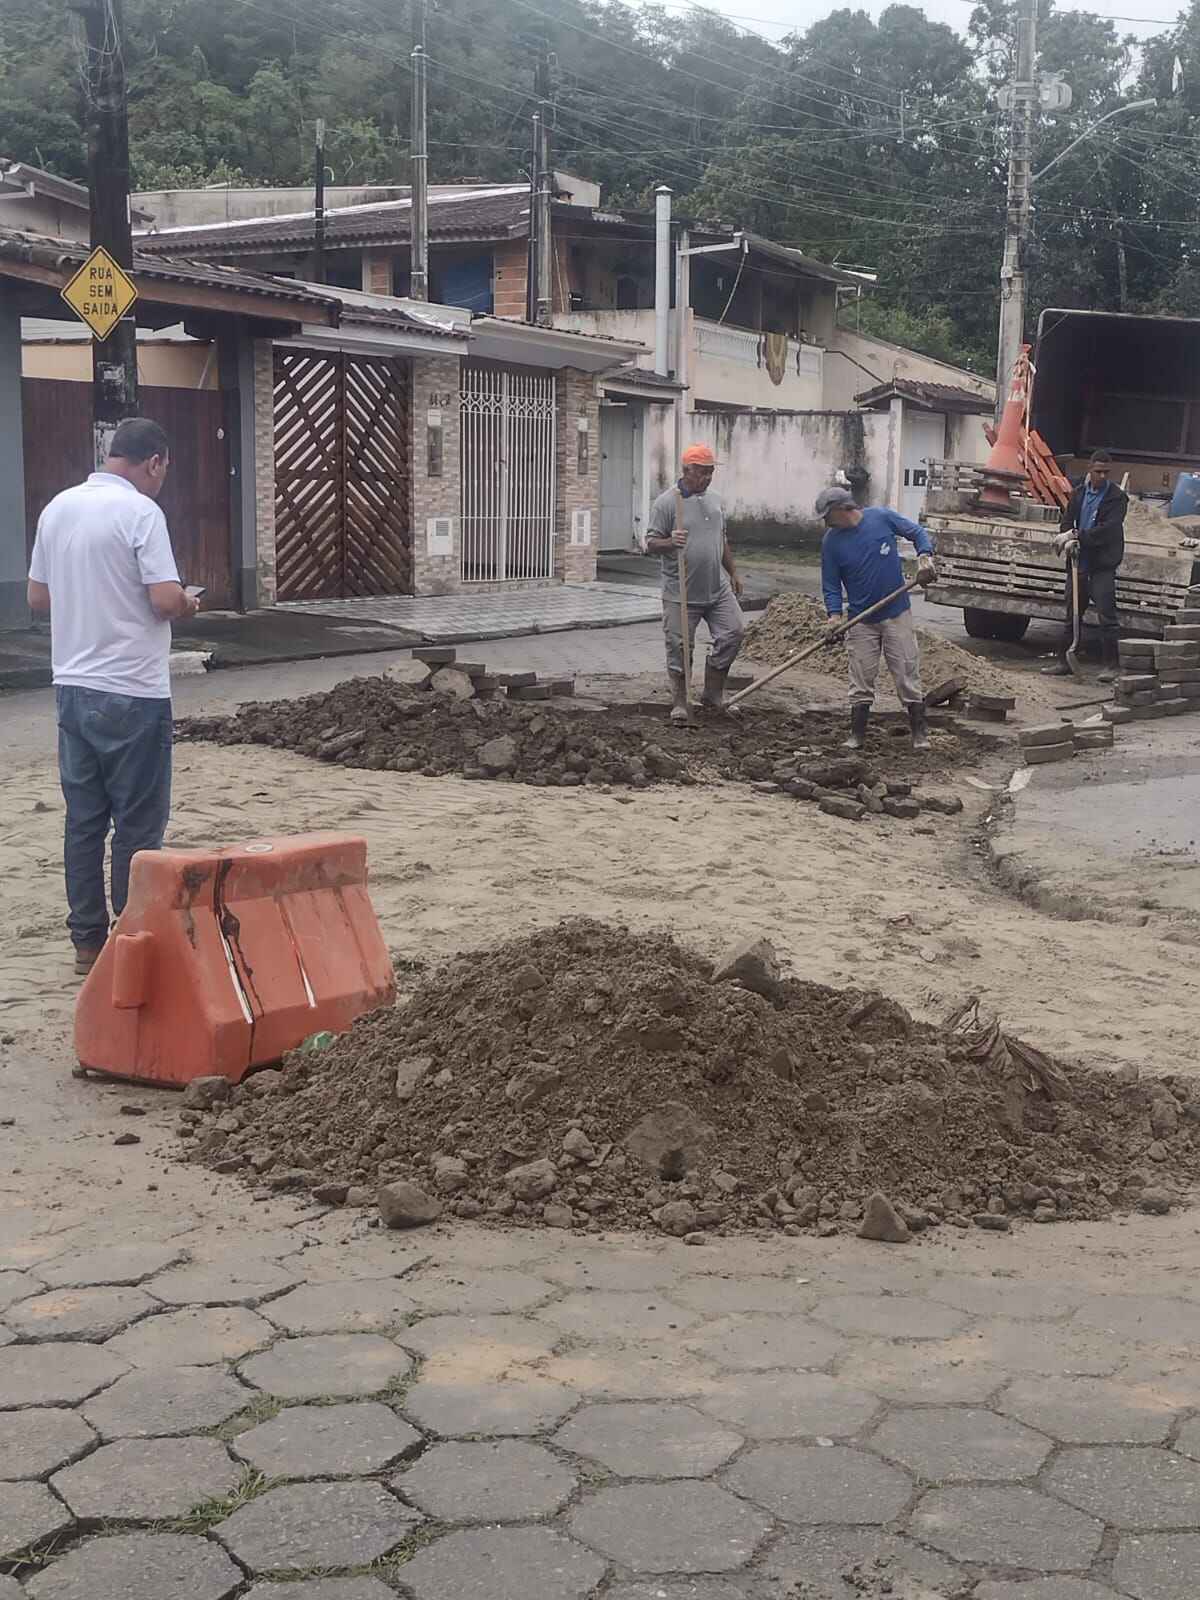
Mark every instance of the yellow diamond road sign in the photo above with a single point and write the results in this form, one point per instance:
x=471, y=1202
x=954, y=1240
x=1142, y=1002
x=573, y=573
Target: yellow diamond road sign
x=100, y=293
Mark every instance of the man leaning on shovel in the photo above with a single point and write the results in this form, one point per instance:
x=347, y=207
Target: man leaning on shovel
x=689, y=519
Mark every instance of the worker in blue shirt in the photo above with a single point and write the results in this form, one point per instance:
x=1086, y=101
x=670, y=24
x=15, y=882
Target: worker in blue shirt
x=859, y=556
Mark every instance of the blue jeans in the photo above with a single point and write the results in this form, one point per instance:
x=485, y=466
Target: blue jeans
x=114, y=763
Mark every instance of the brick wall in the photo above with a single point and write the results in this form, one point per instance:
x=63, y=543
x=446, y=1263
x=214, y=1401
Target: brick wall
x=510, y=276
x=264, y=468
x=576, y=490
x=435, y=386
x=377, y=271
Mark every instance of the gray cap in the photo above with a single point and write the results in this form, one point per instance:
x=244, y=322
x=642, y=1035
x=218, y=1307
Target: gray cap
x=833, y=500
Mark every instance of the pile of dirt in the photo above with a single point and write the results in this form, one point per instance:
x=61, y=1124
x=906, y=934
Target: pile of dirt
x=794, y=621
x=586, y=1076
x=377, y=723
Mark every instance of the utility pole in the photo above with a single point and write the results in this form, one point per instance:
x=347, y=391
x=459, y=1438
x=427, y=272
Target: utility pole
x=544, y=306
x=318, y=263
x=1024, y=91
x=531, y=265
x=114, y=360
x=418, y=285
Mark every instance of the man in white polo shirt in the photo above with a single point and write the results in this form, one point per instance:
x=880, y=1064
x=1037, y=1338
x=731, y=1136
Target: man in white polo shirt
x=104, y=570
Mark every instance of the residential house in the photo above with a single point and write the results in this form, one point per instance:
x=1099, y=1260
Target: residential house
x=39, y=202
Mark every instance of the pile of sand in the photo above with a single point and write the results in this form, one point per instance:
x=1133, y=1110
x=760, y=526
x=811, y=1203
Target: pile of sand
x=794, y=621
x=589, y=1077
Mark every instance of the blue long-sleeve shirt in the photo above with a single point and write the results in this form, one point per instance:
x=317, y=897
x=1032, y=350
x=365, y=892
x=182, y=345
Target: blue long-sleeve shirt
x=865, y=562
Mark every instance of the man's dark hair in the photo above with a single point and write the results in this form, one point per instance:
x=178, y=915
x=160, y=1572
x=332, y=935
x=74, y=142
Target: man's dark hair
x=137, y=439
x=1100, y=458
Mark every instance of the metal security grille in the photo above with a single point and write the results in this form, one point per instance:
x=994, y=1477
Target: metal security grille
x=507, y=474
x=342, y=461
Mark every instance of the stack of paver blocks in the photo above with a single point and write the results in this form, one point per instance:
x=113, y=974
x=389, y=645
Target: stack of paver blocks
x=1161, y=678
x=1059, y=741
x=472, y=677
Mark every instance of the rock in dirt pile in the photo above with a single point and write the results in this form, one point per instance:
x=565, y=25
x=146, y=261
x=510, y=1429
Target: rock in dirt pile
x=589, y=1077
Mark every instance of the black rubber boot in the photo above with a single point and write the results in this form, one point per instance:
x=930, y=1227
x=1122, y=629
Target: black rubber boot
x=679, y=699
x=1060, y=669
x=714, y=688
x=918, y=722
x=1111, y=670
x=859, y=717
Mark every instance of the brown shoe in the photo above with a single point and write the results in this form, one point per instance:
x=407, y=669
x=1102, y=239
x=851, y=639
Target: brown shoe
x=86, y=956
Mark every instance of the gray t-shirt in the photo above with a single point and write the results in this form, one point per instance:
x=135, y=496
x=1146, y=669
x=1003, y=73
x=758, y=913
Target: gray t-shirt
x=704, y=520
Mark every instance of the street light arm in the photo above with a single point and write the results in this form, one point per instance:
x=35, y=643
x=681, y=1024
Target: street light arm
x=1134, y=105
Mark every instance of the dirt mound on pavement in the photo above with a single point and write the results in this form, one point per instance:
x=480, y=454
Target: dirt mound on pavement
x=794, y=621
x=589, y=1077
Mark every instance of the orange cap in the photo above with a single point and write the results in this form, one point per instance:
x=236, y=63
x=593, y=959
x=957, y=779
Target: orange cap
x=699, y=455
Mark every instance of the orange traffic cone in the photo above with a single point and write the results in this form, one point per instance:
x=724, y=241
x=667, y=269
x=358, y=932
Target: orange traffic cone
x=1004, y=470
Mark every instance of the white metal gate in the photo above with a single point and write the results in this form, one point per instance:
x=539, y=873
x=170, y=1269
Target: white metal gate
x=508, y=452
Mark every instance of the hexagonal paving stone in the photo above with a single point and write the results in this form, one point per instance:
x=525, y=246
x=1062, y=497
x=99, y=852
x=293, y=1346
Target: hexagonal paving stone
x=789, y=1405
x=487, y=1407
x=1132, y=1488
x=509, y=1481
x=233, y=1283
x=29, y=1513
x=1046, y=1589
x=478, y=1291
x=724, y=1297
x=814, y=1562
x=603, y=1315
x=942, y=1374
x=114, y=1264
x=1142, y=1318
x=193, y=1338
x=811, y=1483
x=941, y=1444
x=631, y=1372
x=55, y=1374
x=670, y=1527
x=145, y=1480
x=1158, y=1566
x=368, y=1305
x=645, y=1440
x=481, y=1344
x=10, y=1589
x=322, y=1525
x=342, y=1365
x=758, y=1342
x=79, y=1313
x=327, y=1441
x=727, y=1588
x=139, y=1566
x=1188, y=1442
x=1007, y=1297
x=889, y=1316
x=1007, y=1527
x=322, y=1589
x=17, y=1286
x=33, y=1443
x=1036, y=1347
x=1090, y=1410
x=167, y=1400
x=503, y=1564
x=615, y=1269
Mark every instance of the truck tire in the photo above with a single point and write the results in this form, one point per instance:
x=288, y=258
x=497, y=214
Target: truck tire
x=1001, y=625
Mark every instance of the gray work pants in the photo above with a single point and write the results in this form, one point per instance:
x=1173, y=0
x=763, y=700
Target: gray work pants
x=723, y=619
x=896, y=641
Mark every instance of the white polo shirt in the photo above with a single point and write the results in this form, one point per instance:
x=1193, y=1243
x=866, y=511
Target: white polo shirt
x=98, y=546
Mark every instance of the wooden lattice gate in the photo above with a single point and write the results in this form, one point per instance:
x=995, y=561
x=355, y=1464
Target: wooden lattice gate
x=342, y=463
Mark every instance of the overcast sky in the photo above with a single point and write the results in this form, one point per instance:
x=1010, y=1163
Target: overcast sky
x=774, y=18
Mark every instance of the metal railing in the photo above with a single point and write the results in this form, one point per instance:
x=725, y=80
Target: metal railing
x=508, y=474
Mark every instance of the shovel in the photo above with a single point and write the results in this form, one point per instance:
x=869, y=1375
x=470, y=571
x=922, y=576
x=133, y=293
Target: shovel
x=1072, y=654
x=829, y=638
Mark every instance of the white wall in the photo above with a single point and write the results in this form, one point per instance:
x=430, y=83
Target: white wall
x=862, y=363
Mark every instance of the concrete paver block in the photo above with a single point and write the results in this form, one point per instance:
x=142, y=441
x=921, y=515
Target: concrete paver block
x=1037, y=1347
x=342, y=1365
x=670, y=1527
x=479, y=1292
x=139, y=1566
x=114, y=1264
x=941, y=1444
x=145, y=1480
x=1188, y=1442
x=480, y=1344
x=192, y=1338
x=34, y=1443
x=815, y=1483
x=818, y=1560
x=758, y=1342
x=631, y=1372
x=1142, y=1318
x=915, y=1373
x=1130, y=1488
x=450, y=1407
x=510, y=1480
x=1046, y=1589
x=889, y=1316
x=323, y=1525
x=504, y=1564
x=1007, y=1527
x=92, y=1314
x=327, y=1441
x=649, y=1440
x=789, y=1405
x=620, y=1270
x=727, y=1588
x=1008, y=1297
x=729, y=1296
x=28, y=1513
x=55, y=1374
x=611, y=1314
x=369, y=1305
x=322, y=1589
x=10, y=1589
x=1158, y=1566
x=166, y=1400
x=1090, y=1410
x=238, y=1282
x=17, y=1286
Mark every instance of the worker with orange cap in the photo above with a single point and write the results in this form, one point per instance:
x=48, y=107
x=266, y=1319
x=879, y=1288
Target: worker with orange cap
x=689, y=517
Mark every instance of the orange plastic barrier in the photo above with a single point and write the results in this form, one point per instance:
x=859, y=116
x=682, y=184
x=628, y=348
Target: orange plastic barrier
x=224, y=959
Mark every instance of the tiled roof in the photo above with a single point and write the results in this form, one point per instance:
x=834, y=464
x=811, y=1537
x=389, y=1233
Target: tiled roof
x=936, y=396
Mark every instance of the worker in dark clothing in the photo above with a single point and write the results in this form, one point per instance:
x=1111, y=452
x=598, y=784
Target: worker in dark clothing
x=1092, y=532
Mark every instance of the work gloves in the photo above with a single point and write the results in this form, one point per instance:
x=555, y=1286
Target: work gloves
x=926, y=571
x=1067, y=545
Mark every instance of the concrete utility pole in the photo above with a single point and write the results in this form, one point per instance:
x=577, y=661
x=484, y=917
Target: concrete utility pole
x=318, y=265
x=1024, y=90
x=114, y=360
x=662, y=280
x=544, y=304
x=418, y=287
